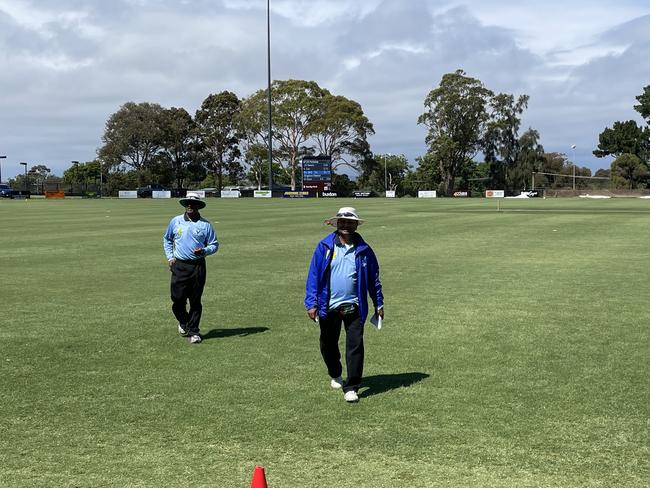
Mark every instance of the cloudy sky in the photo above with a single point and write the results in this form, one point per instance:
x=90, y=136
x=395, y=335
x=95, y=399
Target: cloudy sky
x=66, y=65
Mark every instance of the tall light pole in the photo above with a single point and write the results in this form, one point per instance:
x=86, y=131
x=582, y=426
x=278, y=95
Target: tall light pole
x=385, y=175
x=75, y=164
x=386, y=171
x=1, y=157
x=25, y=165
x=268, y=60
x=573, y=146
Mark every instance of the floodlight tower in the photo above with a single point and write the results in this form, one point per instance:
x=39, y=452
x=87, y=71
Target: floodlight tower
x=1, y=157
x=268, y=62
x=25, y=165
x=573, y=146
x=387, y=155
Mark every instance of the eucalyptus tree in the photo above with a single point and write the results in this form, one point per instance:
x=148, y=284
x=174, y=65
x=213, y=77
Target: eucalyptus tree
x=39, y=173
x=529, y=159
x=340, y=130
x=178, y=142
x=501, y=138
x=455, y=115
x=555, y=163
x=82, y=173
x=383, y=172
x=296, y=107
x=219, y=134
x=132, y=137
x=256, y=160
x=255, y=157
x=427, y=175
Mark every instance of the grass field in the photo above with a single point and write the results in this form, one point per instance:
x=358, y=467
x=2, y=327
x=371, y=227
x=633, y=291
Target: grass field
x=515, y=350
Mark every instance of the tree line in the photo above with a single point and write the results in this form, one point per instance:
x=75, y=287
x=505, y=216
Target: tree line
x=473, y=143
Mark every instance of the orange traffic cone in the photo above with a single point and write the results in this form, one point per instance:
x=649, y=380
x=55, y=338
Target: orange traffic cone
x=259, y=479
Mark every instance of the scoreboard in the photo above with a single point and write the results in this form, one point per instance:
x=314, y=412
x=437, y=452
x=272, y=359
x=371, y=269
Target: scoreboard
x=316, y=173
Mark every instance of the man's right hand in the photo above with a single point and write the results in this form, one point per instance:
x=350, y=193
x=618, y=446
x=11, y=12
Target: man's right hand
x=171, y=263
x=312, y=314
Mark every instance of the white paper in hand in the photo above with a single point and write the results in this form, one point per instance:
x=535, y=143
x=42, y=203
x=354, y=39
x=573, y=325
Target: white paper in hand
x=376, y=321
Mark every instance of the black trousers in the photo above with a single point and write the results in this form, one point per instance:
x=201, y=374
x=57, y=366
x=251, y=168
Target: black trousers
x=188, y=281
x=330, y=330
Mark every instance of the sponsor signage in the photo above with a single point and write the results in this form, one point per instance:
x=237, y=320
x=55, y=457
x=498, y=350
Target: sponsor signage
x=427, y=194
x=295, y=194
x=329, y=194
x=262, y=194
x=230, y=194
x=127, y=194
x=495, y=193
x=461, y=194
x=161, y=194
x=390, y=193
x=362, y=194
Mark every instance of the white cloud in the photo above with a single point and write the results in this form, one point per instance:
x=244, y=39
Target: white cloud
x=311, y=13
x=67, y=66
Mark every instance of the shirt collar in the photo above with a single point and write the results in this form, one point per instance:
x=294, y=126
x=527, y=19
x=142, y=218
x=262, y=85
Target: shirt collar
x=187, y=219
x=337, y=240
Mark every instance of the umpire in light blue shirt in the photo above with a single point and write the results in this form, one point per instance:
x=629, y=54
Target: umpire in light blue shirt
x=343, y=272
x=188, y=240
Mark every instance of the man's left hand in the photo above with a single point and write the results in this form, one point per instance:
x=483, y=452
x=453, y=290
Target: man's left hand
x=198, y=251
x=380, y=312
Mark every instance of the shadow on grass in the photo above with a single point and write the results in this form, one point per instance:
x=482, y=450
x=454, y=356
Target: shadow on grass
x=236, y=332
x=381, y=383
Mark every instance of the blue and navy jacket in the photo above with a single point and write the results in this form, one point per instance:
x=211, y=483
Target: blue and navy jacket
x=318, y=280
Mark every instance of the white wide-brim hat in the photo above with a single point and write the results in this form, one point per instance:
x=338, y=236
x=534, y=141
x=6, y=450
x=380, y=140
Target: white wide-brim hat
x=192, y=197
x=348, y=213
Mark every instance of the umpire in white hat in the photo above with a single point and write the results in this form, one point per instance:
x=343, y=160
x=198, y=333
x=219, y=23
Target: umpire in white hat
x=343, y=272
x=189, y=238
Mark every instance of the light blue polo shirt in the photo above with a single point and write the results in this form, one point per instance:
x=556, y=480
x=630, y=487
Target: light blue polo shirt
x=343, y=276
x=184, y=235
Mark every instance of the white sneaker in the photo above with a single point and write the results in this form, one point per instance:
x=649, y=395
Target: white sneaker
x=336, y=383
x=182, y=331
x=351, y=396
x=195, y=339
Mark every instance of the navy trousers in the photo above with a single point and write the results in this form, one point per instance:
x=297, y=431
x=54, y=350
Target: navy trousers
x=330, y=331
x=188, y=281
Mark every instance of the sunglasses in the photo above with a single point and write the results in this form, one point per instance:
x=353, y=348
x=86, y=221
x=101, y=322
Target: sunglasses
x=346, y=214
